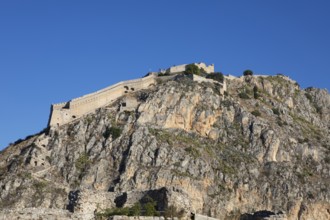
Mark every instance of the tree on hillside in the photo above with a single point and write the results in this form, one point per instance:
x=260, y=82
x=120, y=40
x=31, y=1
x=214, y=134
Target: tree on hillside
x=192, y=69
x=218, y=76
x=248, y=73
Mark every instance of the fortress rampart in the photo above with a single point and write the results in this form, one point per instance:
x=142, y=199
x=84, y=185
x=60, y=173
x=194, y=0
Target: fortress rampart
x=182, y=68
x=65, y=112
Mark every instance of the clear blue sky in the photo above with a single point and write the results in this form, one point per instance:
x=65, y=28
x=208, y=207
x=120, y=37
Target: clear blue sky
x=53, y=51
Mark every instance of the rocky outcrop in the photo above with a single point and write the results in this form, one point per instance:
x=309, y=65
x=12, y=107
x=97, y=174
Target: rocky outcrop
x=264, y=145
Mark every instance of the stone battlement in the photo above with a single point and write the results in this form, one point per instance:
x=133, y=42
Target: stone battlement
x=65, y=112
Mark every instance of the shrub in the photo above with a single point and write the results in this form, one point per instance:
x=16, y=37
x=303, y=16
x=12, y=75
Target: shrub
x=248, y=73
x=276, y=111
x=255, y=92
x=135, y=210
x=82, y=162
x=256, y=113
x=115, y=211
x=243, y=95
x=115, y=132
x=150, y=207
x=217, y=76
x=192, y=69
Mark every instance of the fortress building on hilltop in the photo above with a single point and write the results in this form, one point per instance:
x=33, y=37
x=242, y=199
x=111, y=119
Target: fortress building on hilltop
x=182, y=68
x=63, y=113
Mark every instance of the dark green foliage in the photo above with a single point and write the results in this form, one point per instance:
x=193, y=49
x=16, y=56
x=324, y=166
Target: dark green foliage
x=216, y=76
x=256, y=113
x=243, y=95
x=192, y=69
x=276, y=111
x=115, y=132
x=225, y=93
x=82, y=162
x=135, y=210
x=150, y=207
x=248, y=73
x=256, y=92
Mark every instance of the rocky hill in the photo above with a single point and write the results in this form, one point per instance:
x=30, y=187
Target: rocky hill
x=261, y=147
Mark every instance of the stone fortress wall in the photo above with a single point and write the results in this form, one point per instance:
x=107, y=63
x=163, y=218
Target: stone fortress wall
x=182, y=68
x=66, y=112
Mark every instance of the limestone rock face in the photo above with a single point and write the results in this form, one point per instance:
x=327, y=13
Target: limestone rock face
x=185, y=144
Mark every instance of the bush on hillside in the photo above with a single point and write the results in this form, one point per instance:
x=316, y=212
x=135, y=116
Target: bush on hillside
x=243, y=95
x=115, y=132
x=218, y=76
x=192, y=69
x=256, y=113
x=248, y=73
x=255, y=92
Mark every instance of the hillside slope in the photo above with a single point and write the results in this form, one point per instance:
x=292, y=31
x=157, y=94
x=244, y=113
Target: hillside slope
x=263, y=145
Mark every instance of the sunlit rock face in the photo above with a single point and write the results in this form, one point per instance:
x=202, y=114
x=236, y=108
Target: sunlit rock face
x=260, y=148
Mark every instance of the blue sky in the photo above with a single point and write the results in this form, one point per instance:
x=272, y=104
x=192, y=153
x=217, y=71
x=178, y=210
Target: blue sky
x=53, y=51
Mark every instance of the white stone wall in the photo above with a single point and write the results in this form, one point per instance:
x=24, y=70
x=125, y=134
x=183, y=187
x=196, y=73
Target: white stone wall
x=208, y=69
x=87, y=103
x=203, y=217
x=203, y=79
x=176, y=69
x=182, y=68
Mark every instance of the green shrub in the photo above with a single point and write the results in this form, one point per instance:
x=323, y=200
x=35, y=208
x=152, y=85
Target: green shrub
x=192, y=69
x=243, y=95
x=115, y=211
x=115, y=132
x=256, y=92
x=150, y=207
x=248, y=73
x=217, y=76
x=135, y=210
x=82, y=162
x=256, y=113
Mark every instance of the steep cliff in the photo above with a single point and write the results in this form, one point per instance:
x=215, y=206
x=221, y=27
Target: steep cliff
x=263, y=145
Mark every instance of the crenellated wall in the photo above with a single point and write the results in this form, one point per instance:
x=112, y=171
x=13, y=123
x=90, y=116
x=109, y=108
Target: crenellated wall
x=63, y=113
